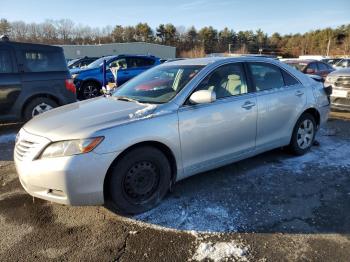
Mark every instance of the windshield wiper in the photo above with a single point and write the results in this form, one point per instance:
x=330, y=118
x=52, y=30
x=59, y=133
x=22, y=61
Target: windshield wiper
x=125, y=98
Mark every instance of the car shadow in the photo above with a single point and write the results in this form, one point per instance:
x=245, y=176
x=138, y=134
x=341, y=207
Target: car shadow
x=272, y=192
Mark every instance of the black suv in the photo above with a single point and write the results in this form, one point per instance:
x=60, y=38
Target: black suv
x=33, y=79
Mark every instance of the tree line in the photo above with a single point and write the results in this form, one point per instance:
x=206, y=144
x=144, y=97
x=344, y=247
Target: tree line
x=189, y=42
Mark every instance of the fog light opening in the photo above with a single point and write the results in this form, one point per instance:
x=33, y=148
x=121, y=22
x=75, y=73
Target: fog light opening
x=56, y=192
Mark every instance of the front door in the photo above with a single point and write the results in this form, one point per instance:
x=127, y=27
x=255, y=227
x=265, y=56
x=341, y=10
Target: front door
x=217, y=133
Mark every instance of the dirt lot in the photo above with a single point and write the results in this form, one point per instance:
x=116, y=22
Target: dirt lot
x=273, y=207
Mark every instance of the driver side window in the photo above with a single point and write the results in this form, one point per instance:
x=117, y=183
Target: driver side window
x=225, y=81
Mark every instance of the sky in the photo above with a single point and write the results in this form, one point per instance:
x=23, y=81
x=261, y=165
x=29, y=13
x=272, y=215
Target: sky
x=283, y=16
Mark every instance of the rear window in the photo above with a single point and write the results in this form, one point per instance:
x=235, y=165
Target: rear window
x=5, y=62
x=44, y=61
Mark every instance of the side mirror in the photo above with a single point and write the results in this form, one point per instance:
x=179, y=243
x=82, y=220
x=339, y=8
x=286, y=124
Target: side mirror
x=202, y=97
x=310, y=71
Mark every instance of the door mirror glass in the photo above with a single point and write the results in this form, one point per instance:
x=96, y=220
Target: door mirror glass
x=203, y=97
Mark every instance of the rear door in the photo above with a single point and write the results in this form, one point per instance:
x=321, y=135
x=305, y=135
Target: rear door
x=137, y=65
x=280, y=99
x=10, y=80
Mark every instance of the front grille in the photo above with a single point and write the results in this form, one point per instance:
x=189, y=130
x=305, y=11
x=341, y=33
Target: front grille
x=28, y=146
x=25, y=148
x=341, y=101
x=343, y=81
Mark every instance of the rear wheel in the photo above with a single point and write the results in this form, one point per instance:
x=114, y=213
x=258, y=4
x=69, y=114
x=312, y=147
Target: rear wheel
x=38, y=106
x=303, y=134
x=139, y=180
x=90, y=90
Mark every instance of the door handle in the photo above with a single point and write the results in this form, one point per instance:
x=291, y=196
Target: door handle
x=248, y=105
x=299, y=93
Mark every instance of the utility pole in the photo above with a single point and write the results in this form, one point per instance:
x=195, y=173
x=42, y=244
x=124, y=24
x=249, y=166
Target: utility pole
x=229, y=48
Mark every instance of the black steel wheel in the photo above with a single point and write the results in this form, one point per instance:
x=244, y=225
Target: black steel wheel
x=138, y=180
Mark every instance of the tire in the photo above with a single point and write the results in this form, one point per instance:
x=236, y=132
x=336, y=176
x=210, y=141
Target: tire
x=37, y=106
x=90, y=90
x=139, y=180
x=303, y=134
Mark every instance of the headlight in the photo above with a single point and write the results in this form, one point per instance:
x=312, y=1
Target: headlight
x=75, y=76
x=71, y=147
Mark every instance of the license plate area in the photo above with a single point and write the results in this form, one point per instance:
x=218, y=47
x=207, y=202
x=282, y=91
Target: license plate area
x=340, y=93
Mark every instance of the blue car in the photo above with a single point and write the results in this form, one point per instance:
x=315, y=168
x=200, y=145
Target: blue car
x=89, y=80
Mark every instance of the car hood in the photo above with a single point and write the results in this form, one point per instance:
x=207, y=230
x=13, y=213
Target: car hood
x=341, y=72
x=84, y=119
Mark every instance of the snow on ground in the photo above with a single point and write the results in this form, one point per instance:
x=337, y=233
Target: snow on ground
x=260, y=194
x=6, y=138
x=220, y=251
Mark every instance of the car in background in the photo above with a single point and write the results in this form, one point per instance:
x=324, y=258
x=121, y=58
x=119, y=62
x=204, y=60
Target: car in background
x=89, y=80
x=33, y=79
x=340, y=82
x=331, y=61
x=344, y=63
x=311, y=67
x=81, y=62
x=128, y=149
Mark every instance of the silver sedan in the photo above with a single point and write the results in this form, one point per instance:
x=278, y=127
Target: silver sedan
x=173, y=121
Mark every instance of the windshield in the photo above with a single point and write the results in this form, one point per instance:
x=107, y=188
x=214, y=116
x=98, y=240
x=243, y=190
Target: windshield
x=297, y=66
x=158, y=85
x=71, y=62
x=99, y=62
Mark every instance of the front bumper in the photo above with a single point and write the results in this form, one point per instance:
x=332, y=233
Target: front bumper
x=73, y=180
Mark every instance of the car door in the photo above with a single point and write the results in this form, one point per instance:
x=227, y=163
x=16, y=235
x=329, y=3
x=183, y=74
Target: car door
x=280, y=99
x=122, y=72
x=137, y=65
x=10, y=80
x=215, y=134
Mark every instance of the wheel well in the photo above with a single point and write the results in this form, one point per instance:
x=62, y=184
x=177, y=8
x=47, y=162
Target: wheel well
x=315, y=114
x=162, y=147
x=55, y=99
x=91, y=81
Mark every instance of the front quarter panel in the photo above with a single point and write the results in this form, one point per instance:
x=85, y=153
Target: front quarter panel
x=159, y=127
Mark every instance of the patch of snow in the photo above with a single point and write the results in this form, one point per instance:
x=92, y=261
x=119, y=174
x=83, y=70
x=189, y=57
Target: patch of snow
x=253, y=194
x=6, y=138
x=220, y=251
x=143, y=112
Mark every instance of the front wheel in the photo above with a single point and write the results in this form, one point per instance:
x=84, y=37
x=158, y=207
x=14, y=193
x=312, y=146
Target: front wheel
x=303, y=134
x=90, y=90
x=139, y=180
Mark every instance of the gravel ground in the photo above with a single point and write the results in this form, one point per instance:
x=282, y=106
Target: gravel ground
x=273, y=207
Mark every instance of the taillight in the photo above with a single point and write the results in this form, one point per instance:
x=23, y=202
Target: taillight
x=70, y=85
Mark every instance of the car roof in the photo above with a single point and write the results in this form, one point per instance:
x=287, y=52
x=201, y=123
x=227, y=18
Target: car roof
x=297, y=61
x=32, y=46
x=210, y=60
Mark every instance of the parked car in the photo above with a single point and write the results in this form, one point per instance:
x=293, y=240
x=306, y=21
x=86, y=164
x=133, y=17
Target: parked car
x=344, y=63
x=81, y=62
x=90, y=79
x=340, y=82
x=331, y=61
x=311, y=67
x=128, y=149
x=33, y=79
